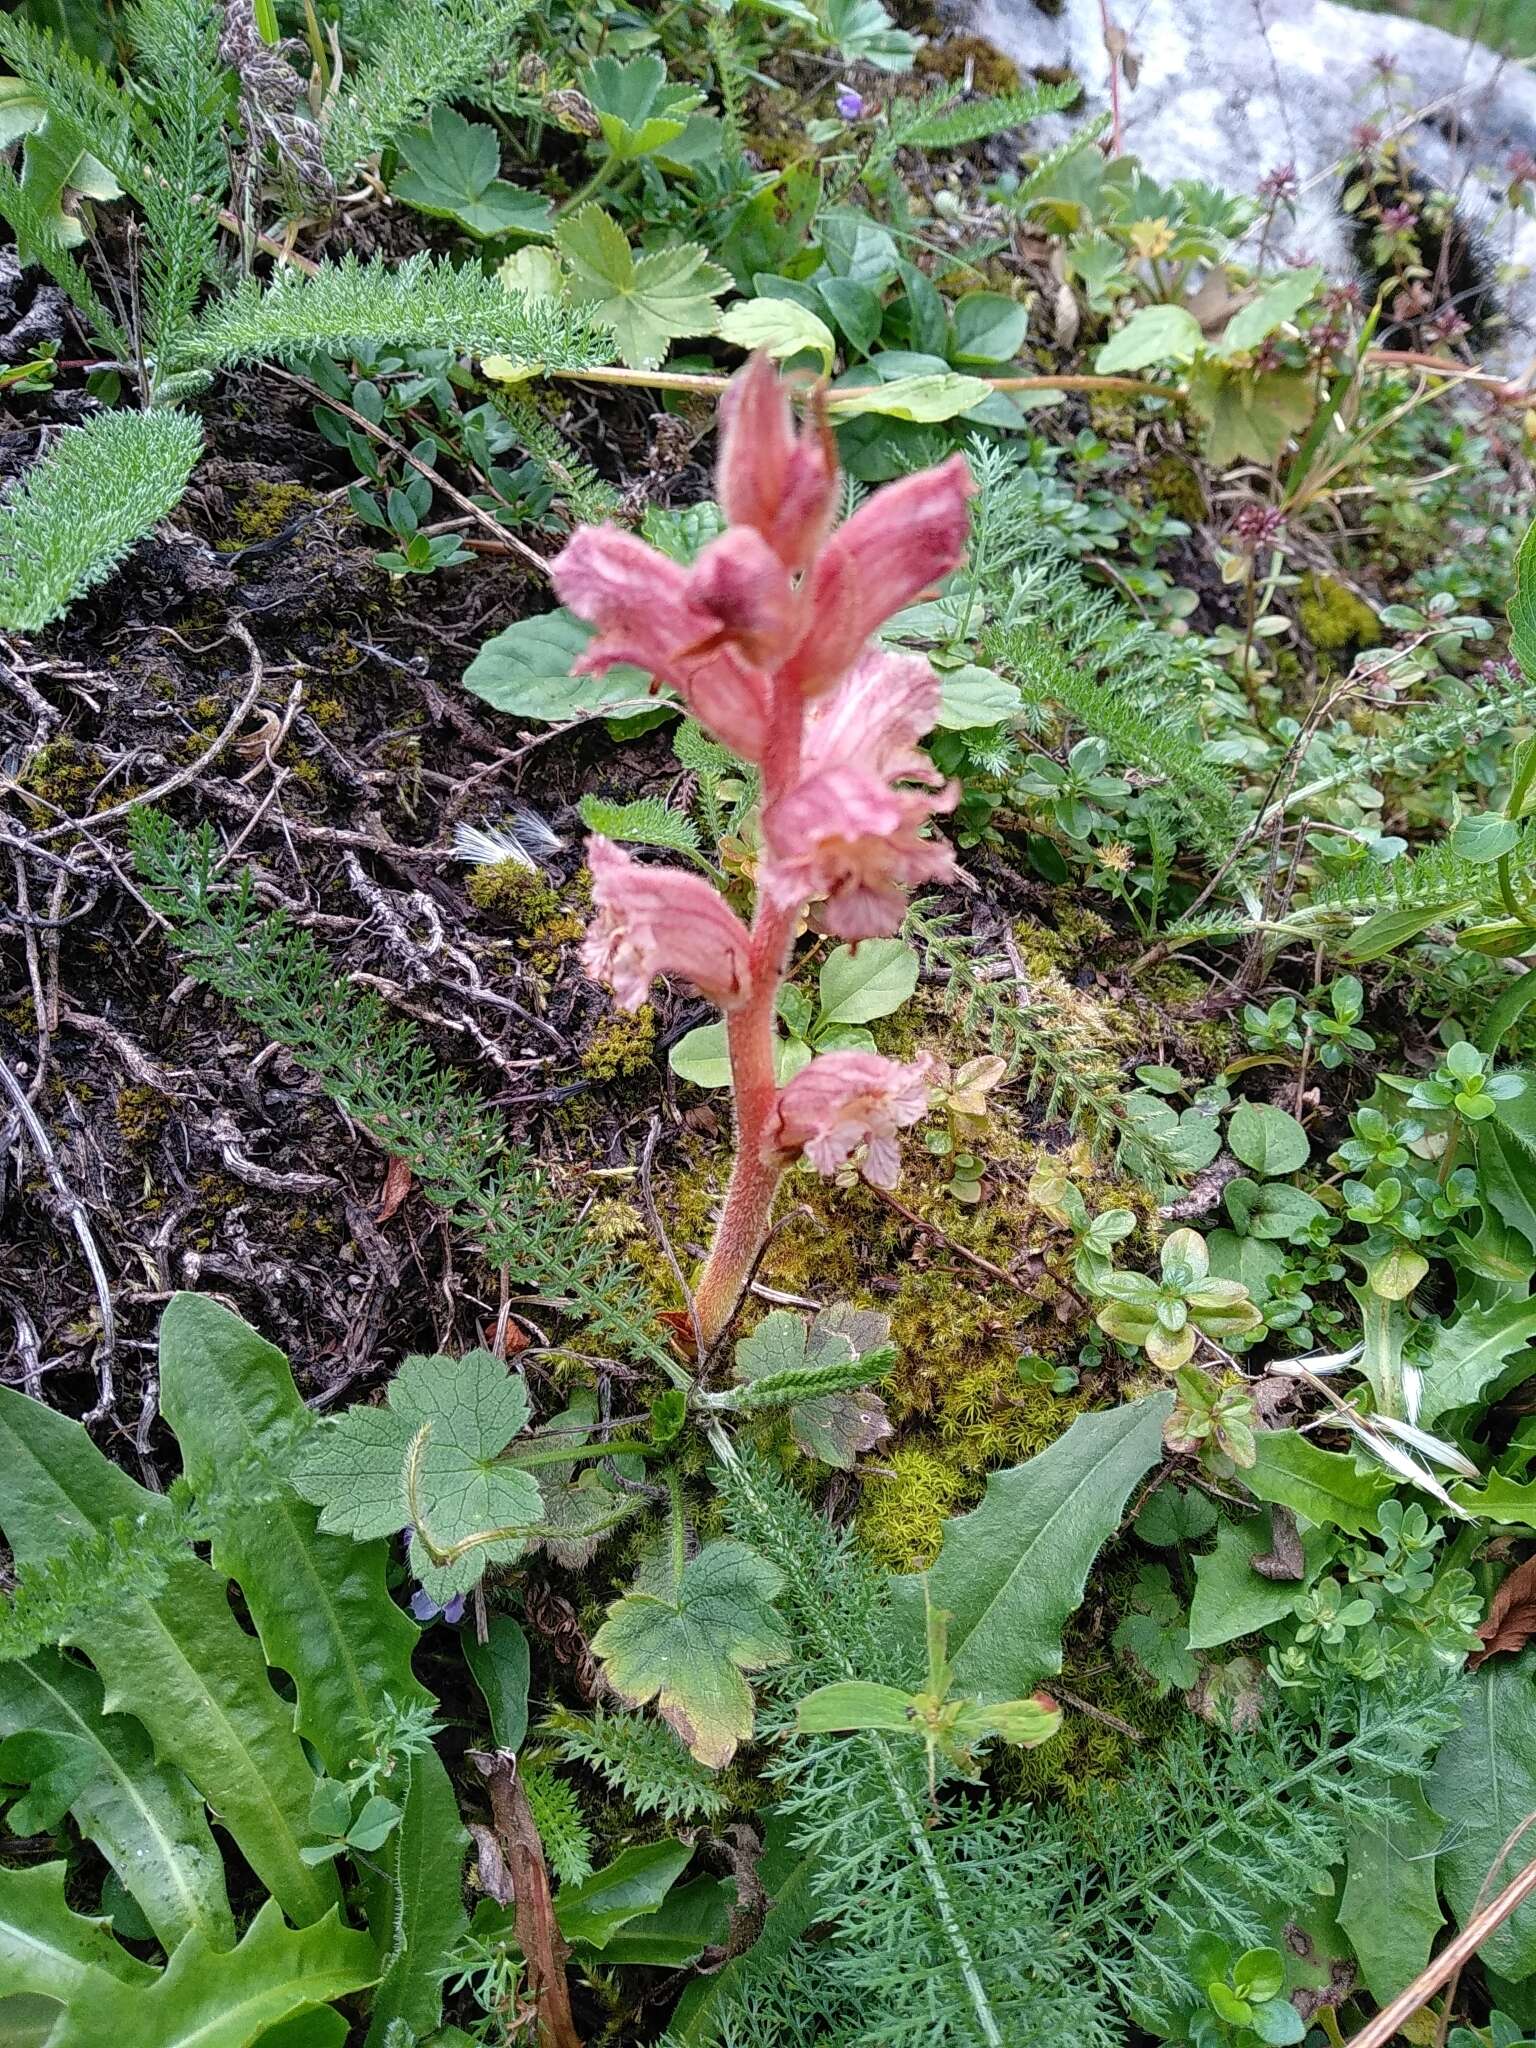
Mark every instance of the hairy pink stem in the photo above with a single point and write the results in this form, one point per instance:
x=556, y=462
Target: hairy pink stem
x=751, y=1035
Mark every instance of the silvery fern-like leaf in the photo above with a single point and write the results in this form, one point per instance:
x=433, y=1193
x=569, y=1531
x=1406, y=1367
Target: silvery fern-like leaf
x=425, y=302
x=78, y=511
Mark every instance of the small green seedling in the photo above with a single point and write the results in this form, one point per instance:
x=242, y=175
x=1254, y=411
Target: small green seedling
x=951, y=1725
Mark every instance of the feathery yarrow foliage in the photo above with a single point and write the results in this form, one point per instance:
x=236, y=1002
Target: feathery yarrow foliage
x=426, y=302
x=640, y=1758
x=379, y=1072
x=415, y=55
x=78, y=511
x=992, y=1923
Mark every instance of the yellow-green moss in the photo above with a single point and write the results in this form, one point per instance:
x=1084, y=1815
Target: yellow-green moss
x=523, y=896
x=990, y=70
x=621, y=1046
x=1173, y=483
x=903, y=1508
x=1333, y=618
x=64, y=773
x=140, y=1115
x=265, y=511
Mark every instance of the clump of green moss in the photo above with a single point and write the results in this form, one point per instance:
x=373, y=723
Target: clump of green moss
x=956, y=56
x=140, y=1115
x=904, y=1507
x=64, y=773
x=1173, y=483
x=264, y=512
x=1334, y=620
x=621, y=1046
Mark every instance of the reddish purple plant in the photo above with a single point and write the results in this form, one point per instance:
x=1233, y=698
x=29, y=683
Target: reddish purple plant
x=766, y=638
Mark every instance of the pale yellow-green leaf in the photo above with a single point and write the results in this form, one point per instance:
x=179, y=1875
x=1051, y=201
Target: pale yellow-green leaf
x=940, y=395
x=779, y=327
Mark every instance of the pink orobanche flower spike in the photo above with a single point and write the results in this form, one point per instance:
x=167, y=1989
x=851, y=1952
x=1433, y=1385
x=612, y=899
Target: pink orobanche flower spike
x=653, y=921
x=843, y=1100
x=767, y=640
x=848, y=838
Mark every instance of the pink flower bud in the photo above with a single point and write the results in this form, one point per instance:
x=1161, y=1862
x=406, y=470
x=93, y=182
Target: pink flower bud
x=907, y=536
x=875, y=717
x=843, y=1100
x=653, y=921
x=641, y=603
x=768, y=477
x=847, y=839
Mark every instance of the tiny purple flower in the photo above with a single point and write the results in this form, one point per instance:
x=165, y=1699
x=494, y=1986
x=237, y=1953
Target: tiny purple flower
x=425, y=1608
x=850, y=104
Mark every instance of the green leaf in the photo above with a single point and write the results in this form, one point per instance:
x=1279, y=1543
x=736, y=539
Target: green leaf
x=1267, y=1139
x=634, y=1883
x=649, y=300
x=1012, y=1571
x=1231, y=1598
x=415, y=1901
x=1484, y=839
x=1390, y=1907
x=835, y=1426
x=320, y=1603
x=926, y=400
x=1279, y=301
x=1467, y=1363
x=859, y=984
x=1522, y=606
x=688, y=1652
x=796, y=1901
x=1249, y=418
x=48, y=1951
x=500, y=1668
x=1153, y=334
x=989, y=327
x=181, y=1662
x=144, y=1817
x=856, y=307
x=647, y=821
x=429, y=1460
x=205, y=1999
x=1485, y=1781
x=1499, y=1499
x=451, y=172
x=638, y=111
x=525, y=671
x=1322, y=1485
x=690, y=1919
x=854, y=1703
x=779, y=328
x=972, y=697
x=702, y=1057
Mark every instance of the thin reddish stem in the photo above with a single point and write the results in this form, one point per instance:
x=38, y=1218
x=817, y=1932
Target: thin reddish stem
x=752, y=1036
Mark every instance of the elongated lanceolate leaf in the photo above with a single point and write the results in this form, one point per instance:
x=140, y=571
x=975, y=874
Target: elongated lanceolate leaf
x=181, y=1662
x=143, y=1816
x=1322, y=1485
x=1012, y=1571
x=205, y=1999
x=1484, y=1781
x=416, y=1913
x=1486, y=1349
x=1391, y=1908
x=319, y=1602
x=46, y=1951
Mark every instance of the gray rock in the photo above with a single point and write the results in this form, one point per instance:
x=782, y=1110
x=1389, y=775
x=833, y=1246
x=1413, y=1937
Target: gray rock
x=1227, y=90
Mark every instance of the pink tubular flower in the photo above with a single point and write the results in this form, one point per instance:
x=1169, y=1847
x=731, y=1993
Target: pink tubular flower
x=842, y=1100
x=874, y=718
x=642, y=605
x=848, y=839
x=906, y=537
x=769, y=478
x=740, y=582
x=653, y=921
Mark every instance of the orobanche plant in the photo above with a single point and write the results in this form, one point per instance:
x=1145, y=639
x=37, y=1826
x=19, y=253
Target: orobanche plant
x=766, y=638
